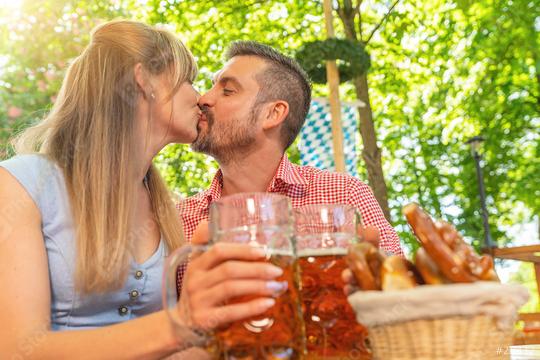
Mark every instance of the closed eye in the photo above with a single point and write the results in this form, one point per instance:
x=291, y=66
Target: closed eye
x=228, y=91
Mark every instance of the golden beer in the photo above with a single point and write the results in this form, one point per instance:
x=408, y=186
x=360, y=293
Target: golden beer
x=332, y=331
x=276, y=334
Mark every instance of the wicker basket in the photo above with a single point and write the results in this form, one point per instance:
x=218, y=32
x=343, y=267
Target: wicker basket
x=452, y=338
x=436, y=322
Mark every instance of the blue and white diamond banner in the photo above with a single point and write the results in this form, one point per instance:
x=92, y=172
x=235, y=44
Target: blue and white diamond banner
x=315, y=143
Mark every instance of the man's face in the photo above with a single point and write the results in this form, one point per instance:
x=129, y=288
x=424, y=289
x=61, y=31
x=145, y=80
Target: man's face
x=229, y=125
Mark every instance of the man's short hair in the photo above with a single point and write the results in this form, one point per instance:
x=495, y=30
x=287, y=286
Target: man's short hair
x=283, y=79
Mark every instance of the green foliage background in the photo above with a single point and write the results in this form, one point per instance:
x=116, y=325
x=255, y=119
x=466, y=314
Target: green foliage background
x=441, y=72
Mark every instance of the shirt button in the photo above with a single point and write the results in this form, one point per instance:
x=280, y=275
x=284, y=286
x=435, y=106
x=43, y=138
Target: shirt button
x=133, y=294
x=138, y=274
x=123, y=310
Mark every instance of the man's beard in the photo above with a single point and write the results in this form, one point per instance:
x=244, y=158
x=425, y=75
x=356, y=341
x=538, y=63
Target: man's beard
x=225, y=142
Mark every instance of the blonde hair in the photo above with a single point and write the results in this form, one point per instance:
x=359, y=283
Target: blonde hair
x=90, y=134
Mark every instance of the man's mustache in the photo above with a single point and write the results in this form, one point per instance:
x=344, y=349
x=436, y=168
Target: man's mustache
x=209, y=115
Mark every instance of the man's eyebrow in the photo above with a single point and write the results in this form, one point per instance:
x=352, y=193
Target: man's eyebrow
x=228, y=79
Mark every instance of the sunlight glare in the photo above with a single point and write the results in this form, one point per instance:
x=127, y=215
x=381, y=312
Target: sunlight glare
x=10, y=5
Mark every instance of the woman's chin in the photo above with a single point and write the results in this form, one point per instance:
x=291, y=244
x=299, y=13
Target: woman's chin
x=184, y=138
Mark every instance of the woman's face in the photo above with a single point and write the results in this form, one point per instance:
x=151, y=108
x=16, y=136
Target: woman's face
x=176, y=118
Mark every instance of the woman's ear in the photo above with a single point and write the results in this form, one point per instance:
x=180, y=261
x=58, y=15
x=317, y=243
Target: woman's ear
x=143, y=82
x=275, y=114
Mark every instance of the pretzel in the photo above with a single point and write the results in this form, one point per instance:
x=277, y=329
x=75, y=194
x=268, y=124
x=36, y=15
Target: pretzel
x=444, y=258
x=481, y=267
x=428, y=269
x=448, y=233
x=398, y=274
x=489, y=274
x=450, y=264
x=365, y=261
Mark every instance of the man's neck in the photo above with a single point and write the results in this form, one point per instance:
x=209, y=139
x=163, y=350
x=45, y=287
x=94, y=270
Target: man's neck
x=252, y=173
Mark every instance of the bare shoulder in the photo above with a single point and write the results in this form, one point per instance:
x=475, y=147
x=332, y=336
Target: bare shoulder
x=16, y=204
x=24, y=276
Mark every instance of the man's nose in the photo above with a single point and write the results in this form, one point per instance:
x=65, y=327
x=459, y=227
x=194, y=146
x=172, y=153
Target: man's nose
x=206, y=100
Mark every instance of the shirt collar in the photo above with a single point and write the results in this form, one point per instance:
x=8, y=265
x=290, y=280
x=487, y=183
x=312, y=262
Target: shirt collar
x=214, y=191
x=286, y=172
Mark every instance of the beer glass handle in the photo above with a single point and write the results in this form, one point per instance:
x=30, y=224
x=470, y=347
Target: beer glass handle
x=359, y=223
x=176, y=306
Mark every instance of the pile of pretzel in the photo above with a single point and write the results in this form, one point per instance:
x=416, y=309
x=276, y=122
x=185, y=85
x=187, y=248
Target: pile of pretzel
x=443, y=258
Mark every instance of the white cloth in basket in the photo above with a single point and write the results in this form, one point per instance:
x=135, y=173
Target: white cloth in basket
x=501, y=301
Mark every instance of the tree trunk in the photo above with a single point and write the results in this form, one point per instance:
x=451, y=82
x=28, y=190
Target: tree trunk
x=371, y=152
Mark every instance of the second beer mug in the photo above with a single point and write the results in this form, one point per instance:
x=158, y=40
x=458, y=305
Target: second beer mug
x=323, y=235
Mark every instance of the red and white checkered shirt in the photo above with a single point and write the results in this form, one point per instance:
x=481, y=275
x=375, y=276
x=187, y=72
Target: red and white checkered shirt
x=304, y=185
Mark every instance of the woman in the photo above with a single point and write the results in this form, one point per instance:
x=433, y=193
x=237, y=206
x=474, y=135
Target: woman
x=86, y=221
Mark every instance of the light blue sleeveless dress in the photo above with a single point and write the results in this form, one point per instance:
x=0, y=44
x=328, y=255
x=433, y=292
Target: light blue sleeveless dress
x=141, y=294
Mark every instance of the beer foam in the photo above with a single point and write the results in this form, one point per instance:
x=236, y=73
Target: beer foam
x=272, y=239
x=322, y=252
x=324, y=240
x=282, y=252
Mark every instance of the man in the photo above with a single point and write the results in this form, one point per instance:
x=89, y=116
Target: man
x=251, y=115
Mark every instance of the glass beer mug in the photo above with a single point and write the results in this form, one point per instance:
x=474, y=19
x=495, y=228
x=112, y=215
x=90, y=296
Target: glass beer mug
x=323, y=235
x=263, y=220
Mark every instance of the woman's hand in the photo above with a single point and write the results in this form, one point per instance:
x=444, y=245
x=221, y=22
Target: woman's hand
x=224, y=272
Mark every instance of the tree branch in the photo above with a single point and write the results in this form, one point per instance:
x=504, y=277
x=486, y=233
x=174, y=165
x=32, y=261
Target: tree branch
x=233, y=10
x=340, y=11
x=357, y=11
x=382, y=21
x=346, y=14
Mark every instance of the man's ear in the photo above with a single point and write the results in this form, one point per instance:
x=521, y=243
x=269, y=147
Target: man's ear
x=275, y=113
x=142, y=80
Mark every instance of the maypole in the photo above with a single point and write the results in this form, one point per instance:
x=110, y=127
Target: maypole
x=332, y=75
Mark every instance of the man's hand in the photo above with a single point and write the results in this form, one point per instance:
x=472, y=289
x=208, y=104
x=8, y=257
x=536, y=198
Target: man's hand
x=369, y=234
x=201, y=235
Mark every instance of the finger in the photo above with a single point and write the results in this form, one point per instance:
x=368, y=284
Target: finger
x=216, y=317
x=230, y=289
x=201, y=234
x=222, y=252
x=347, y=276
x=233, y=269
x=349, y=289
x=370, y=234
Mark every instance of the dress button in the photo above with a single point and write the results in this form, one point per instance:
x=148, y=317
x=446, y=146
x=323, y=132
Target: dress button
x=133, y=294
x=138, y=274
x=123, y=310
